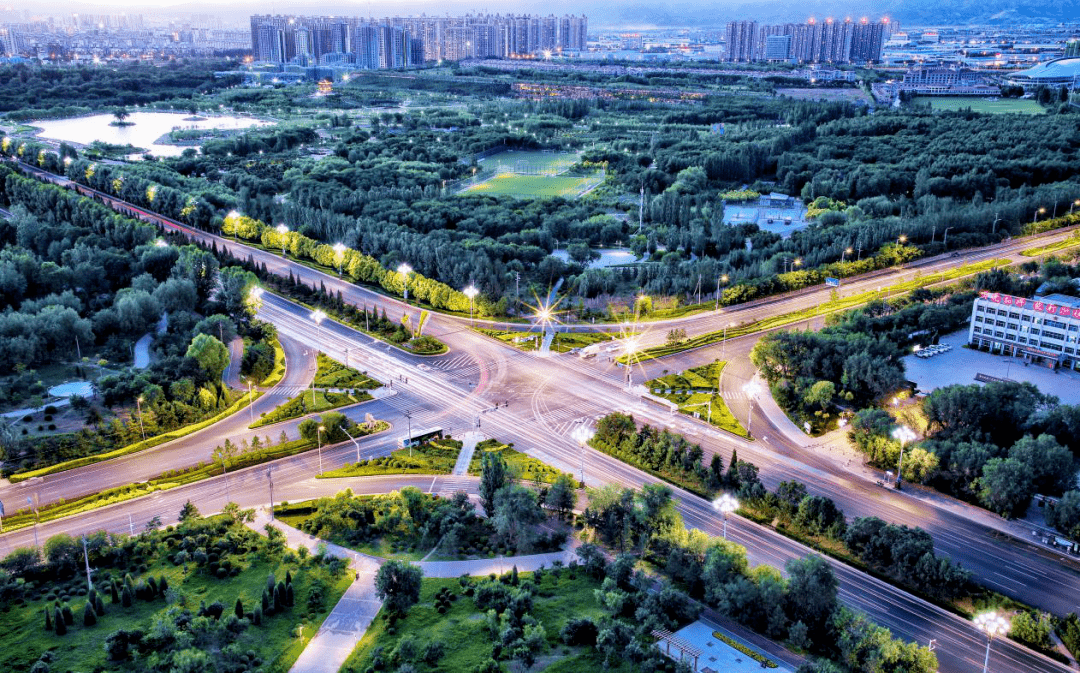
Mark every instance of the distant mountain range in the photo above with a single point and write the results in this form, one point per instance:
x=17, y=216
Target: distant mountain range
x=631, y=14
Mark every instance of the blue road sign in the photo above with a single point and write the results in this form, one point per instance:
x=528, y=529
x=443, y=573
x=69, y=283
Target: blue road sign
x=832, y=282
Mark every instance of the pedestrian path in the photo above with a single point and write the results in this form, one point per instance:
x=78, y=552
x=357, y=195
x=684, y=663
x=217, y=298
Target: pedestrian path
x=350, y=618
x=468, y=447
x=498, y=565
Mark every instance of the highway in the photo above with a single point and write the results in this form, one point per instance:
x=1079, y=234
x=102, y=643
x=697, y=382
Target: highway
x=547, y=397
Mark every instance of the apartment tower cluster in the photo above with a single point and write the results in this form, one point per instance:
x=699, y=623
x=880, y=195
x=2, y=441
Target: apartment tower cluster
x=400, y=42
x=827, y=41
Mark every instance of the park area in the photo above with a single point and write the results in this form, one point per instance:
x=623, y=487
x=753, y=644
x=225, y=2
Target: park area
x=985, y=105
x=535, y=174
x=695, y=391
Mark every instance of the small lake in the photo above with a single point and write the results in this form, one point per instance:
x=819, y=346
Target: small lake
x=608, y=257
x=144, y=133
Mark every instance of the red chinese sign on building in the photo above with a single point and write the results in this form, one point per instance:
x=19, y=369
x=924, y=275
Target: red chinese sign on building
x=1032, y=304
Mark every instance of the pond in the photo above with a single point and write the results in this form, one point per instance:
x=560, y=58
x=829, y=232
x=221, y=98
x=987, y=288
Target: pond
x=608, y=257
x=147, y=128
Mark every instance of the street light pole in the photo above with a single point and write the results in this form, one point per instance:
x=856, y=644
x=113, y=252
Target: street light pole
x=225, y=473
x=751, y=389
x=318, y=435
x=251, y=402
x=471, y=293
x=723, y=344
x=408, y=417
x=86, y=558
x=355, y=443
x=903, y=434
x=992, y=624
x=725, y=504
x=339, y=256
x=405, y=270
x=138, y=404
x=270, y=480
x=282, y=230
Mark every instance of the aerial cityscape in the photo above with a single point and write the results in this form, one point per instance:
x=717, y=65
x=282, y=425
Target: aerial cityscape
x=571, y=338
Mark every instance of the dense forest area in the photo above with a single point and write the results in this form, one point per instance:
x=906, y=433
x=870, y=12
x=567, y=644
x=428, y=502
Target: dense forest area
x=888, y=185
x=78, y=286
x=34, y=92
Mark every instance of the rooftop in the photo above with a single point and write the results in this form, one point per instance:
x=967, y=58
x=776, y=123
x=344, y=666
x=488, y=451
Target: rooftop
x=1060, y=69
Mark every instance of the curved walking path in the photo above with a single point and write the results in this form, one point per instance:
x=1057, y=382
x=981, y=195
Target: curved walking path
x=345, y=625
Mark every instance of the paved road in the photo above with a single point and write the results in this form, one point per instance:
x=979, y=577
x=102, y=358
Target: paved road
x=548, y=396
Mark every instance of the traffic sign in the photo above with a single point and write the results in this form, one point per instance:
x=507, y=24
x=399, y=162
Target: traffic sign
x=832, y=282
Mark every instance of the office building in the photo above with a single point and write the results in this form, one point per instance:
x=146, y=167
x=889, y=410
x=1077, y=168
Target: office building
x=1044, y=330
x=827, y=41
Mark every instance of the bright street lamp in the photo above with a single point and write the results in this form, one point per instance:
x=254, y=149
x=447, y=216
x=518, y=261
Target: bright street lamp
x=254, y=299
x=160, y=243
x=339, y=255
x=725, y=504
x=752, y=390
x=471, y=293
x=901, y=239
x=582, y=434
x=318, y=316
x=904, y=435
x=138, y=403
x=282, y=230
x=405, y=270
x=847, y=251
x=630, y=349
x=722, y=279
x=992, y=624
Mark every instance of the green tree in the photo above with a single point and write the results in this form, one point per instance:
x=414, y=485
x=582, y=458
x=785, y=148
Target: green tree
x=200, y=267
x=1065, y=514
x=494, y=475
x=561, y=496
x=398, y=583
x=811, y=595
x=1005, y=486
x=236, y=285
x=820, y=394
x=516, y=512
x=211, y=354
x=189, y=512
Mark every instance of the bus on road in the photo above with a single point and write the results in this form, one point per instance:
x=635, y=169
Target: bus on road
x=420, y=437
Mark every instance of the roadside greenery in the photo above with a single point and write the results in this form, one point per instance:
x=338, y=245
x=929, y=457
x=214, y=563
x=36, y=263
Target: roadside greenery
x=207, y=594
x=437, y=457
x=562, y=342
x=522, y=466
x=696, y=392
x=310, y=402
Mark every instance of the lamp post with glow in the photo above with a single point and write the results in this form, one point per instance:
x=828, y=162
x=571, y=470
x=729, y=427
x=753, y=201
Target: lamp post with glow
x=339, y=256
x=254, y=299
x=722, y=279
x=630, y=349
x=847, y=251
x=405, y=270
x=904, y=435
x=471, y=293
x=582, y=434
x=318, y=316
x=752, y=390
x=992, y=624
x=726, y=504
x=282, y=230
x=723, y=344
x=138, y=404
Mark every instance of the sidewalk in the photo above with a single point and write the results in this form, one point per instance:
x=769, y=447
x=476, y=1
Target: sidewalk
x=350, y=618
x=499, y=565
x=468, y=447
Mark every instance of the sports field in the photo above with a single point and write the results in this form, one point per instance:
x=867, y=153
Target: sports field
x=991, y=106
x=535, y=186
x=530, y=162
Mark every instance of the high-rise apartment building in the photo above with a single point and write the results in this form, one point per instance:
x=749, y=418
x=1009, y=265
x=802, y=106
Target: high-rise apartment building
x=827, y=41
x=742, y=41
x=398, y=42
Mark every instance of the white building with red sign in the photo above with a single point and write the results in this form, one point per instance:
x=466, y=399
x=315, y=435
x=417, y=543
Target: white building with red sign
x=1043, y=330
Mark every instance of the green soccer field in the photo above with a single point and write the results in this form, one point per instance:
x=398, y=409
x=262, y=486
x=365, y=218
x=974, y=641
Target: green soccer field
x=531, y=162
x=530, y=186
x=999, y=106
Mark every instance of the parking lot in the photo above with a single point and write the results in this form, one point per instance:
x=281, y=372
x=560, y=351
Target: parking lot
x=960, y=365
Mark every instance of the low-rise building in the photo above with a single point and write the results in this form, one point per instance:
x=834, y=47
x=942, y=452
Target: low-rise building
x=1042, y=330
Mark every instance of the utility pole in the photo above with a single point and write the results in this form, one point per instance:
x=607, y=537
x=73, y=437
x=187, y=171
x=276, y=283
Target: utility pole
x=86, y=557
x=270, y=479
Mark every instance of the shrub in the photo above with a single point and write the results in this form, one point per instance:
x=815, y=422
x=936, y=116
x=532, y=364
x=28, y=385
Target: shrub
x=89, y=617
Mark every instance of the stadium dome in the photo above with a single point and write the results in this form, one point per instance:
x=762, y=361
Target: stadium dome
x=1060, y=71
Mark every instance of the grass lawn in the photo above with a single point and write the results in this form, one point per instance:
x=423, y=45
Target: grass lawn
x=333, y=374
x=464, y=632
x=436, y=457
x=562, y=343
x=274, y=644
x=523, y=466
x=534, y=186
x=301, y=405
x=1070, y=242
x=294, y=514
x=694, y=391
x=995, y=106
